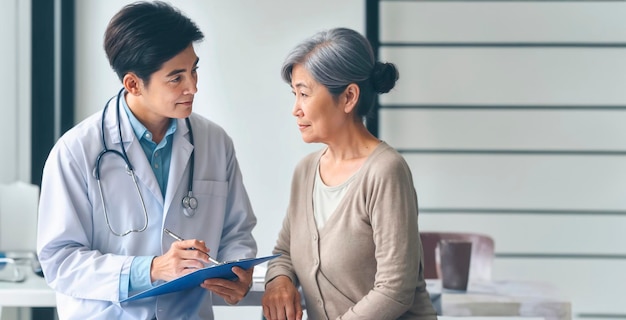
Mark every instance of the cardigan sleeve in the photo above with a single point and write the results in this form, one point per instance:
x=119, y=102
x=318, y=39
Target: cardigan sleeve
x=393, y=210
x=282, y=265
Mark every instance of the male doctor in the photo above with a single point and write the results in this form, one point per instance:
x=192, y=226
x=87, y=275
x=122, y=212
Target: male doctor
x=113, y=183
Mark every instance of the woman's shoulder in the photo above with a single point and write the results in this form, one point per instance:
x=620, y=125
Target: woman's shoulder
x=309, y=162
x=385, y=158
x=386, y=164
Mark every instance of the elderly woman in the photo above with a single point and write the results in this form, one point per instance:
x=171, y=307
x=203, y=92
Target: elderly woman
x=350, y=237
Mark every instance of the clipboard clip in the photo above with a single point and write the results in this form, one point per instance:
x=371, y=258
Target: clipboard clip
x=229, y=261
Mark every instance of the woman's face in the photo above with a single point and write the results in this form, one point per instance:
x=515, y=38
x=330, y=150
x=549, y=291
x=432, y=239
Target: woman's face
x=319, y=116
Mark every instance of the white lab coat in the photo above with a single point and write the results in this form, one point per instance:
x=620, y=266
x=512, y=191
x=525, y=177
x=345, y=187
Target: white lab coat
x=83, y=260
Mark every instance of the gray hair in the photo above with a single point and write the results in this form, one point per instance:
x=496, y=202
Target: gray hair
x=338, y=57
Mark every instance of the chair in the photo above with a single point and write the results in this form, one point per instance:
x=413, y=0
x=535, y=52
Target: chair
x=483, y=252
x=19, y=202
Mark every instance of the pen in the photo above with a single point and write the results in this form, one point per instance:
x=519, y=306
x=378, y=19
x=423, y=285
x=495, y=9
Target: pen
x=173, y=235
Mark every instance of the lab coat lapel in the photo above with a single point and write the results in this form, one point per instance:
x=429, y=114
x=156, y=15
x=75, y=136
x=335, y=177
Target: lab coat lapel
x=177, y=184
x=143, y=170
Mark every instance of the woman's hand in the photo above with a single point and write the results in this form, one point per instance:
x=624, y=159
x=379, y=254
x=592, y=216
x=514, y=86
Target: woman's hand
x=281, y=300
x=231, y=291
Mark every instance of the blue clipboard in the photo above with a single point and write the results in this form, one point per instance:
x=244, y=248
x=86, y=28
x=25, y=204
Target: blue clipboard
x=195, y=278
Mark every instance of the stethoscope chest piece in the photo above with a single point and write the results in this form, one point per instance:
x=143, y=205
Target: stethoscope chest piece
x=190, y=204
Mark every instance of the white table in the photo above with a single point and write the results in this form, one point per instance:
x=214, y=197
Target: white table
x=32, y=292
x=502, y=298
x=499, y=298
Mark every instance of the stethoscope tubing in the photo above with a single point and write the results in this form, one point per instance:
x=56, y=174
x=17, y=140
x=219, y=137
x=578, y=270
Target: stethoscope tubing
x=189, y=202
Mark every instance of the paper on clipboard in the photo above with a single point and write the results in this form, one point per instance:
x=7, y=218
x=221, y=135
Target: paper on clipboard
x=195, y=278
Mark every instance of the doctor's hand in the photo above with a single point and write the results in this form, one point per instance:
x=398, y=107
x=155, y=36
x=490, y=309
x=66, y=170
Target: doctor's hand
x=231, y=291
x=179, y=260
x=281, y=300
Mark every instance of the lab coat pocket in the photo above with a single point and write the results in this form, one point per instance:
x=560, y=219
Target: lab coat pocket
x=210, y=188
x=211, y=195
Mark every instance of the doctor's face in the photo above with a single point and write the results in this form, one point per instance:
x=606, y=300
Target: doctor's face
x=171, y=89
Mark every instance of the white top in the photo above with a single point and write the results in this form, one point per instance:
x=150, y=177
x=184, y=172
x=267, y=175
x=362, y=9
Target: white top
x=326, y=199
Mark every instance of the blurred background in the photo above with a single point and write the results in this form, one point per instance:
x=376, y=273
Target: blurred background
x=510, y=113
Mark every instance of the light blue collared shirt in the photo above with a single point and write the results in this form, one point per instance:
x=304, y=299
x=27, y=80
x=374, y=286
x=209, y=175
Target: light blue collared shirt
x=159, y=156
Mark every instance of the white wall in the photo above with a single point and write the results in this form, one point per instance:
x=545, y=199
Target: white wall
x=510, y=133
x=15, y=91
x=239, y=86
x=513, y=110
x=239, y=82
x=8, y=89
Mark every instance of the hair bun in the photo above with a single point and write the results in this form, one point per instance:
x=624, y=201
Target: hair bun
x=384, y=76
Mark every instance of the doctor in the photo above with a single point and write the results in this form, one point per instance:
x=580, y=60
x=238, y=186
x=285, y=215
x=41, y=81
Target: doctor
x=113, y=183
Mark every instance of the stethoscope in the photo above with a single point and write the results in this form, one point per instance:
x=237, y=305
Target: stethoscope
x=189, y=202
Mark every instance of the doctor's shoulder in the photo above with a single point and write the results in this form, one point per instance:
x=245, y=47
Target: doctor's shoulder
x=86, y=129
x=205, y=128
x=85, y=135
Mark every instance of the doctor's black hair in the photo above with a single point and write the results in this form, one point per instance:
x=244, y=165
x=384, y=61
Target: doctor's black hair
x=143, y=35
